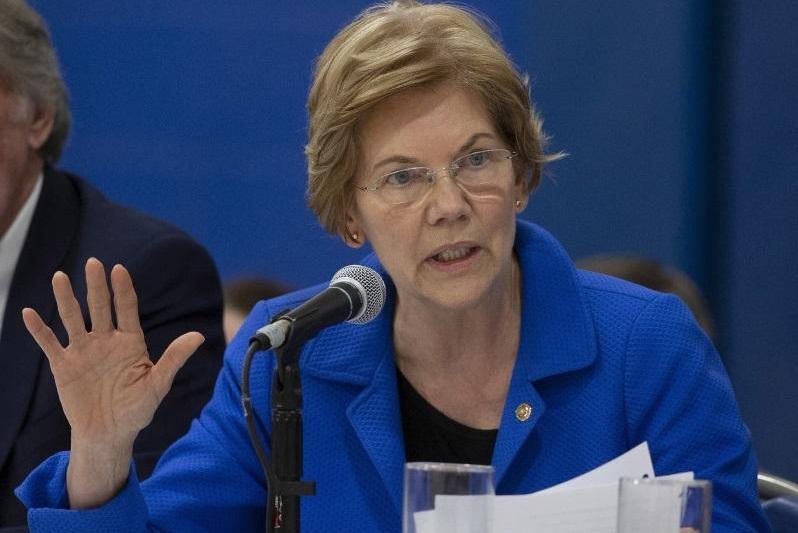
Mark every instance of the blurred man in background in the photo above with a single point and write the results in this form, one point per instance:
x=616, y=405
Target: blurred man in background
x=54, y=221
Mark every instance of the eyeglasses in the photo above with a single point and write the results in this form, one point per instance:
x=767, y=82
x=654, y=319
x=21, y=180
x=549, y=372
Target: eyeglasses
x=478, y=173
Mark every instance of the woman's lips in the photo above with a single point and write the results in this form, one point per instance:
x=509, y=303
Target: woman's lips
x=454, y=258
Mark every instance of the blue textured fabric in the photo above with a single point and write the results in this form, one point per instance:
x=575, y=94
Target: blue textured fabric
x=604, y=364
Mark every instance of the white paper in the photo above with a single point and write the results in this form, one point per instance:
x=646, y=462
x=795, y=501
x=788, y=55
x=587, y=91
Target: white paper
x=424, y=521
x=681, y=476
x=650, y=508
x=585, y=504
x=634, y=463
x=460, y=514
x=581, y=510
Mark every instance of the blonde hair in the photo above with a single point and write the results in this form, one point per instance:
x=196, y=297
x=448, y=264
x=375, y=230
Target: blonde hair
x=393, y=47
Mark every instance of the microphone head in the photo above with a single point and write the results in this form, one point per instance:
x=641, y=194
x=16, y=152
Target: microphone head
x=371, y=287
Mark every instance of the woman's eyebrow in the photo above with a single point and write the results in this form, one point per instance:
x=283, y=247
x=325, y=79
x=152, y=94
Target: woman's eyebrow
x=474, y=138
x=395, y=159
x=403, y=159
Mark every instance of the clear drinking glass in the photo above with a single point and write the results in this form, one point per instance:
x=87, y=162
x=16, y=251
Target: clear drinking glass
x=657, y=505
x=447, y=498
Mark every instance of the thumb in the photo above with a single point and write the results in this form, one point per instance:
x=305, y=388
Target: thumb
x=173, y=359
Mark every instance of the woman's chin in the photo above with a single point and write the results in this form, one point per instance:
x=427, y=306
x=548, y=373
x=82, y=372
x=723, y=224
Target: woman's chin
x=462, y=293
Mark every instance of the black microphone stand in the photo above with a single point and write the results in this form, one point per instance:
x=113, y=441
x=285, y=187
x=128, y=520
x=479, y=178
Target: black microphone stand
x=286, y=486
x=287, y=332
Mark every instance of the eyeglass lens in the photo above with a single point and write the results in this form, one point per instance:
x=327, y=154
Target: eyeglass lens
x=479, y=173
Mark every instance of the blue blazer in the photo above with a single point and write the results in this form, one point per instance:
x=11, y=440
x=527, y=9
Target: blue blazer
x=604, y=364
x=178, y=289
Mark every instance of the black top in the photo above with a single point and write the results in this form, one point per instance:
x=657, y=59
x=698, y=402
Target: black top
x=432, y=436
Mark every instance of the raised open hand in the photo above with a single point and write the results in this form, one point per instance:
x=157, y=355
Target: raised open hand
x=108, y=386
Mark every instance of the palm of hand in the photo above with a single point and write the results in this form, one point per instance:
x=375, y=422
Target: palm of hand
x=105, y=384
x=108, y=386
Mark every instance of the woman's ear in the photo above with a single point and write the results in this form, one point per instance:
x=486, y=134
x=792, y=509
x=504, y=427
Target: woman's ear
x=520, y=192
x=353, y=236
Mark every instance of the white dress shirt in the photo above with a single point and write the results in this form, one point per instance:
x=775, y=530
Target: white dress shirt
x=11, y=245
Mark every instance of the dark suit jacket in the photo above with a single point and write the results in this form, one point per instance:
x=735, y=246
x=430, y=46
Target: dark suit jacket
x=178, y=289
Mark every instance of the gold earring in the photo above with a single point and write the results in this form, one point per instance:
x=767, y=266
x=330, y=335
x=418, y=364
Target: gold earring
x=518, y=204
x=354, y=236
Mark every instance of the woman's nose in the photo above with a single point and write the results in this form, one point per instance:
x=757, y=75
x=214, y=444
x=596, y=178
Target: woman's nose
x=447, y=200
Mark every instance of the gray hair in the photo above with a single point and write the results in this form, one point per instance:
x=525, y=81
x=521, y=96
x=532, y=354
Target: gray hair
x=29, y=68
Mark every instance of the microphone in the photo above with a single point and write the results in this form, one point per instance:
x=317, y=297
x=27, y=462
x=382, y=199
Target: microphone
x=356, y=295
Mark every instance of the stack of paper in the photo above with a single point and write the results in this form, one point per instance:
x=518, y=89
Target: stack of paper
x=585, y=504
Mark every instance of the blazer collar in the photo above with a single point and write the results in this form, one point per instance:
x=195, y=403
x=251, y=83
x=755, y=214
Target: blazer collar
x=50, y=237
x=351, y=353
x=556, y=331
x=557, y=334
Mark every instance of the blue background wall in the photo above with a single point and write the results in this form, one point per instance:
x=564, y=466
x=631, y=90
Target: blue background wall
x=680, y=119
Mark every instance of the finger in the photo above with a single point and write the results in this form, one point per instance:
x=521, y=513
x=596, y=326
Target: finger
x=173, y=359
x=42, y=334
x=97, y=296
x=125, y=300
x=68, y=307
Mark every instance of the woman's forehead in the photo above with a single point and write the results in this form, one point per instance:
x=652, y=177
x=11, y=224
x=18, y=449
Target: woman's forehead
x=423, y=122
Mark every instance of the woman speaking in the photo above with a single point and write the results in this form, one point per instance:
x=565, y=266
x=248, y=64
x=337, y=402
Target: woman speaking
x=491, y=349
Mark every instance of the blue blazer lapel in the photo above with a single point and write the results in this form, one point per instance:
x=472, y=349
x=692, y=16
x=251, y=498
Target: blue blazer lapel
x=557, y=336
x=517, y=422
x=363, y=355
x=50, y=236
x=376, y=420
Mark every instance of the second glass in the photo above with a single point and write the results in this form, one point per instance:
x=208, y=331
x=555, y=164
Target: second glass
x=657, y=505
